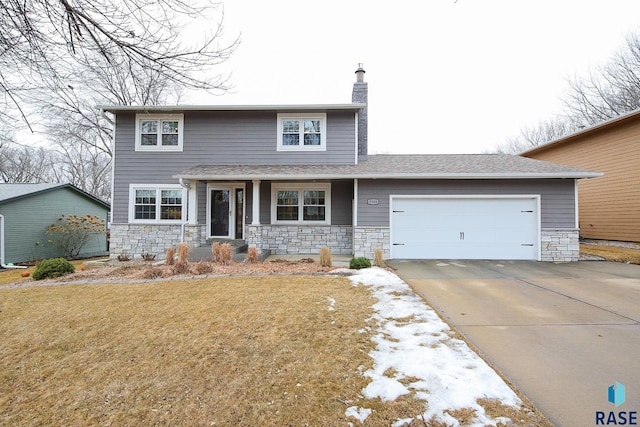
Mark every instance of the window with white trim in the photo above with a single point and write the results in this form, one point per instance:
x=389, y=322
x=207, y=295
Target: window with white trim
x=159, y=132
x=298, y=132
x=156, y=204
x=301, y=204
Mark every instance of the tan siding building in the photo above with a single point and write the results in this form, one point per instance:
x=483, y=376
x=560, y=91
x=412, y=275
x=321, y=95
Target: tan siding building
x=609, y=206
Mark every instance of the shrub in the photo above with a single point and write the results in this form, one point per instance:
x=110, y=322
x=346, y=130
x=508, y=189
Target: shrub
x=203, y=267
x=325, y=257
x=215, y=252
x=123, y=257
x=221, y=253
x=252, y=255
x=71, y=233
x=152, y=273
x=180, y=268
x=171, y=253
x=359, y=262
x=182, y=265
x=53, y=267
x=183, y=252
x=378, y=260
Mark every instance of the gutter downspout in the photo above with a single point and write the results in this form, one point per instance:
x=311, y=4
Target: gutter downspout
x=2, y=264
x=185, y=219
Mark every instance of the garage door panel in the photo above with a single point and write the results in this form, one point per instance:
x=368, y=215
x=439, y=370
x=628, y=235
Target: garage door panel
x=491, y=228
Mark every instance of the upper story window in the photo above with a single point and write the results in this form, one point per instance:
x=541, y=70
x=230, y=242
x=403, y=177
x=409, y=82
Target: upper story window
x=159, y=132
x=302, y=132
x=155, y=204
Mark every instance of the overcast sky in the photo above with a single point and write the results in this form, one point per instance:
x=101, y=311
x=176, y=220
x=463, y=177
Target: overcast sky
x=444, y=76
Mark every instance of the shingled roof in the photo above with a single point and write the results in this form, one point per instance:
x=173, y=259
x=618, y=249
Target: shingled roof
x=422, y=166
x=11, y=191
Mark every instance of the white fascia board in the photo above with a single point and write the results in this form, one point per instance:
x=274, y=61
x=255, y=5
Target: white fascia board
x=280, y=177
x=273, y=107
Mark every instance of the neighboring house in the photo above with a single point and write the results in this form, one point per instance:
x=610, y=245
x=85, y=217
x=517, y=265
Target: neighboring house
x=290, y=179
x=609, y=206
x=27, y=209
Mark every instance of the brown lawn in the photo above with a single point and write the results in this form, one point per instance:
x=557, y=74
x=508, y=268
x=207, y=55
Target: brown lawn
x=612, y=253
x=250, y=351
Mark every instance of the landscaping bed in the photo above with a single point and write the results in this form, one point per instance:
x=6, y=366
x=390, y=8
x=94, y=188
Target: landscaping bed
x=627, y=254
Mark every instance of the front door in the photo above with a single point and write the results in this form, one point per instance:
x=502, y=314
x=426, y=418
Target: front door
x=226, y=212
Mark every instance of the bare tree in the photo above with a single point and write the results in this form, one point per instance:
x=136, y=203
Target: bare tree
x=80, y=134
x=607, y=92
x=533, y=136
x=50, y=38
x=75, y=54
x=85, y=167
x=20, y=164
x=610, y=90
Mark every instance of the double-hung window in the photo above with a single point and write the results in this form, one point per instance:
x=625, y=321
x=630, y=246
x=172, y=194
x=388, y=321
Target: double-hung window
x=301, y=203
x=302, y=132
x=156, y=204
x=159, y=132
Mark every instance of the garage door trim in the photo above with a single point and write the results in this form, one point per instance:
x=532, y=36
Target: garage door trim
x=535, y=197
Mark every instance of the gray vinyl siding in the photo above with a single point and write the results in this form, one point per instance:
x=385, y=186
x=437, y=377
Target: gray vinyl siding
x=556, y=201
x=27, y=218
x=245, y=137
x=341, y=202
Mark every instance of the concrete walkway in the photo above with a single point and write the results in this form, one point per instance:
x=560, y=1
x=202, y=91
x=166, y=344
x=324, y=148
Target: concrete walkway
x=561, y=333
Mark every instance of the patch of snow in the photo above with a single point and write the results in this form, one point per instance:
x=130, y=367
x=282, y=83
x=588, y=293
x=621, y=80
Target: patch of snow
x=413, y=342
x=360, y=414
x=387, y=389
x=402, y=422
x=332, y=303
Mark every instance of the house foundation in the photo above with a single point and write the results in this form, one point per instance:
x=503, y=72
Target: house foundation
x=560, y=244
x=367, y=239
x=300, y=239
x=134, y=240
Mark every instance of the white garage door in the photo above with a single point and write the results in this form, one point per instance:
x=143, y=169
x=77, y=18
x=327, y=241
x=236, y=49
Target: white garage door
x=464, y=228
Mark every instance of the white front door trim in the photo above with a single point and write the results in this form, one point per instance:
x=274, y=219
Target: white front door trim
x=233, y=214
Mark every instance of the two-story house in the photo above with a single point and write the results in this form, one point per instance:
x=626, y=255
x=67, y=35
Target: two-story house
x=290, y=179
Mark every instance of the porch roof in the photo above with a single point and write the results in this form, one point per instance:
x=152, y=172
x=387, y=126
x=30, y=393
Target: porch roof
x=402, y=166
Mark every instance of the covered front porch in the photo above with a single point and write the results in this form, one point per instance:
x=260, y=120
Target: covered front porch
x=276, y=217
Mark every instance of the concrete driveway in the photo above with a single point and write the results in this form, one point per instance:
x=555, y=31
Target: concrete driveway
x=561, y=333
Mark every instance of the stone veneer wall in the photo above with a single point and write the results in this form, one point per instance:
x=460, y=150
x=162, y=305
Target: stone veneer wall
x=136, y=239
x=300, y=239
x=367, y=239
x=560, y=244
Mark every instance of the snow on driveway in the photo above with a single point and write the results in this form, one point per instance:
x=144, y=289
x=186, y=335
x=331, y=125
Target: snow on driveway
x=413, y=342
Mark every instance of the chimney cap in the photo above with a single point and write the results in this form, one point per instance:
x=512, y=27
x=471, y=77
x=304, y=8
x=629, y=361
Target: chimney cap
x=360, y=73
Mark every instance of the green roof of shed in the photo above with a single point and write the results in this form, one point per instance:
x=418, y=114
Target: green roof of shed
x=10, y=192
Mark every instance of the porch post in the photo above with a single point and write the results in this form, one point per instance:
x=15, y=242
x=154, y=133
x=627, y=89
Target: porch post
x=355, y=203
x=255, y=212
x=192, y=211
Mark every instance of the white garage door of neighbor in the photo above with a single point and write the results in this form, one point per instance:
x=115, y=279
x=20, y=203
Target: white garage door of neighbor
x=464, y=228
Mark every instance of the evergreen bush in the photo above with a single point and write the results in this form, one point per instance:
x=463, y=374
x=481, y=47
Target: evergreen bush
x=359, y=262
x=53, y=267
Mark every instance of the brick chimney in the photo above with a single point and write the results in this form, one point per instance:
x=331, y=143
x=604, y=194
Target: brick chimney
x=360, y=95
